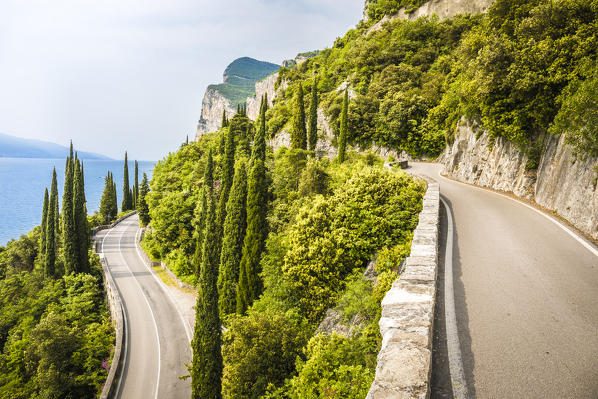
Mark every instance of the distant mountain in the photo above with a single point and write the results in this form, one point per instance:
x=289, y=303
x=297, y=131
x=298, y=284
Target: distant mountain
x=240, y=77
x=16, y=147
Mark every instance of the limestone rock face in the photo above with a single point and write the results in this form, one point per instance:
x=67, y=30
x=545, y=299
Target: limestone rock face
x=211, y=112
x=561, y=183
x=266, y=86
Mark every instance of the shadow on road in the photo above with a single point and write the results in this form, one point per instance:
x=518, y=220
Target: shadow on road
x=441, y=381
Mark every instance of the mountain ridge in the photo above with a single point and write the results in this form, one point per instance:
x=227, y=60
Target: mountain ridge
x=18, y=147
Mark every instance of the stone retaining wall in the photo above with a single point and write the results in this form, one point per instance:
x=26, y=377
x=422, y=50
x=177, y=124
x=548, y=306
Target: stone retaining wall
x=404, y=362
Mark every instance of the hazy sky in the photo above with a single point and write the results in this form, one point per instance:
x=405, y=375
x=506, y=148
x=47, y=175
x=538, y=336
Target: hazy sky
x=121, y=74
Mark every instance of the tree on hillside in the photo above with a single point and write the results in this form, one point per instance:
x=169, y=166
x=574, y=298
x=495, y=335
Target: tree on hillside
x=56, y=212
x=136, y=185
x=232, y=241
x=69, y=246
x=312, y=135
x=42, y=234
x=250, y=285
x=80, y=220
x=224, y=120
x=142, y=207
x=206, y=370
x=201, y=212
x=228, y=171
x=127, y=203
x=342, y=138
x=298, y=133
x=108, y=207
x=51, y=239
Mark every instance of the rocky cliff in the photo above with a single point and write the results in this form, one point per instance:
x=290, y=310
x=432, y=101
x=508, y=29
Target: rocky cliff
x=561, y=183
x=211, y=111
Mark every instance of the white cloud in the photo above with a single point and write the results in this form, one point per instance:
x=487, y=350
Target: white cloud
x=121, y=74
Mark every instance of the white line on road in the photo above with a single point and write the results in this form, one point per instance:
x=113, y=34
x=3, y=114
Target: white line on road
x=150, y=308
x=458, y=381
x=165, y=289
x=590, y=247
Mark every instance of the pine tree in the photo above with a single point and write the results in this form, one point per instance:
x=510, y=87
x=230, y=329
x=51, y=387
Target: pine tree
x=80, y=220
x=56, y=213
x=232, y=241
x=250, y=285
x=50, y=251
x=69, y=240
x=206, y=370
x=299, y=134
x=342, y=138
x=313, y=117
x=142, y=207
x=44, y=225
x=127, y=201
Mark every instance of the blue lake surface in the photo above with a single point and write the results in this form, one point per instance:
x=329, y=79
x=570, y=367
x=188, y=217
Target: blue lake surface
x=22, y=184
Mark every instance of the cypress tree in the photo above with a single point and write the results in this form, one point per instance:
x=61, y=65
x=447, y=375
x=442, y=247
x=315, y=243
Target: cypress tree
x=114, y=202
x=313, y=117
x=80, y=220
x=201, y=212
x=50, y=251
x=127, y=201
x=259, y=142
x=228, y=171
x=44, y=225
x=206, y=370
x=299, y=134
x=136, y=185
x=105, y=206
x=142, y=207
x=243, y=149
x=69, y=240
x=56, y=213
x=222, y=144
x=232, y=241
x=224, y=120
x=250, y=285
x=342, y=138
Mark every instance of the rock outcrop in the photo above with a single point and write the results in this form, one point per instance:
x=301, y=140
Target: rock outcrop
x=265, y=86
x=562, y=183
x=211, y=111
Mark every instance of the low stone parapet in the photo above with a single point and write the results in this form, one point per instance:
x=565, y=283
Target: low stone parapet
x=406, y=325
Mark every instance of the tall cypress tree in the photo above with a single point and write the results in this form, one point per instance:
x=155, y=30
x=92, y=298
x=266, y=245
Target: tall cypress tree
x=50, y=251
x=80, y=220
x=142, y=207
x=201, y=212
x=342, y=138
x=250, y=285
x=232, y=241
x=299, y=134
x=228, y=171
x=312, y=135
x=56, y=212
x=114, y=202
x=108, y=202
x=206, y=370
x=69, y=240
x=44, y=225
x=136, y=185
x=127, y=204
x=224, y=120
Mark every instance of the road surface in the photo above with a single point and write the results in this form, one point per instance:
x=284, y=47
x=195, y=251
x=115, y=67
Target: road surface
x=157, y=344
x=526, y=297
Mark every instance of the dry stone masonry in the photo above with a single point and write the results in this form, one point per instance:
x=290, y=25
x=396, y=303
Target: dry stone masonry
x=406, y=325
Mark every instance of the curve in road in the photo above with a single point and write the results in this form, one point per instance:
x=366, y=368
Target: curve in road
x=525, y=295
x=157, y=344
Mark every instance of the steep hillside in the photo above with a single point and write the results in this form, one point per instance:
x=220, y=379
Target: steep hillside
x=239, y=81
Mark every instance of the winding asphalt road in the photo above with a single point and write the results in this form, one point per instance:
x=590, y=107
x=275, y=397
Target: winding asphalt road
x=157, y=344
x=526, y=298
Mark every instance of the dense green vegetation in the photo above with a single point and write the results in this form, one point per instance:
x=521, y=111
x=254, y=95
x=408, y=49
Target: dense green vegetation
x=240, y=77
x=297, y=234
x=512, y=71
x=55, y=330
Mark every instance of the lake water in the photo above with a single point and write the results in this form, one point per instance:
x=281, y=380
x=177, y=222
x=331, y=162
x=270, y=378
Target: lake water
x=22, y=184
